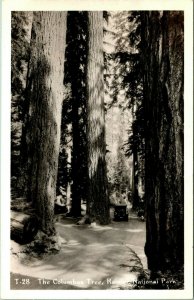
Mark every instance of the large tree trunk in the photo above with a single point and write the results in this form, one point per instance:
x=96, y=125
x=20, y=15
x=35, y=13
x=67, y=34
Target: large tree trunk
x=98, y=201
x=163, y=43
x=77, y=72
x=45, y=92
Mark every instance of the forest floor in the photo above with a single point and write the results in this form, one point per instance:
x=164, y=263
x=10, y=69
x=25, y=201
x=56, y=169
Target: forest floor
x=91, y=257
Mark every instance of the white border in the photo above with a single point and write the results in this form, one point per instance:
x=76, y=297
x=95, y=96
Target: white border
x=7, y=7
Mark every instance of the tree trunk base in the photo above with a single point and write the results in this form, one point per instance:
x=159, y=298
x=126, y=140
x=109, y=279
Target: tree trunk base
x=85, y=220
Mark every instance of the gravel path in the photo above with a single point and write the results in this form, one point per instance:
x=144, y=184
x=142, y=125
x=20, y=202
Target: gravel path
x=91, y=257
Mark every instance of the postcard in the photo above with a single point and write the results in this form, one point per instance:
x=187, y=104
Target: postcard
x=96, y=136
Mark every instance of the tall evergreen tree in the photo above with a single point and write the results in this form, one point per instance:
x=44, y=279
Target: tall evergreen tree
x=163, y=44
x=76, y=69
x=45, y=93
x=98, y=200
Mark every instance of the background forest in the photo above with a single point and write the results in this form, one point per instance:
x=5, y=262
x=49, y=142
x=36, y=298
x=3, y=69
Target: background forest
x=97, y=120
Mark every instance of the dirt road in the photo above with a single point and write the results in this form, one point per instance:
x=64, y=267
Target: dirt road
x=92, y=257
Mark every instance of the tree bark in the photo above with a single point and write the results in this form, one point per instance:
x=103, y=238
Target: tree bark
x=98, y=201
x=45, y=92
x=163, y=59
x=77, y=77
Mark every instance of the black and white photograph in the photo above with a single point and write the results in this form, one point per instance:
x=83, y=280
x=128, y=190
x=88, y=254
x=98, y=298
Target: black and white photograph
x=98, y=184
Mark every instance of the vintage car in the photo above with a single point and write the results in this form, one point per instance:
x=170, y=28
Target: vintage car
x=120, y=212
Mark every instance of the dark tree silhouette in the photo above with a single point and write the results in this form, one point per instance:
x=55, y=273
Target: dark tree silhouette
x=76, y=69
x=163, y=44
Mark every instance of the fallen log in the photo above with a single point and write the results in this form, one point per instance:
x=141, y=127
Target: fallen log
x=24, y=227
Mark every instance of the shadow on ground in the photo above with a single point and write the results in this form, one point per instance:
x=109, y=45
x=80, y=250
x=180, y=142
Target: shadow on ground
x=91, y=257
